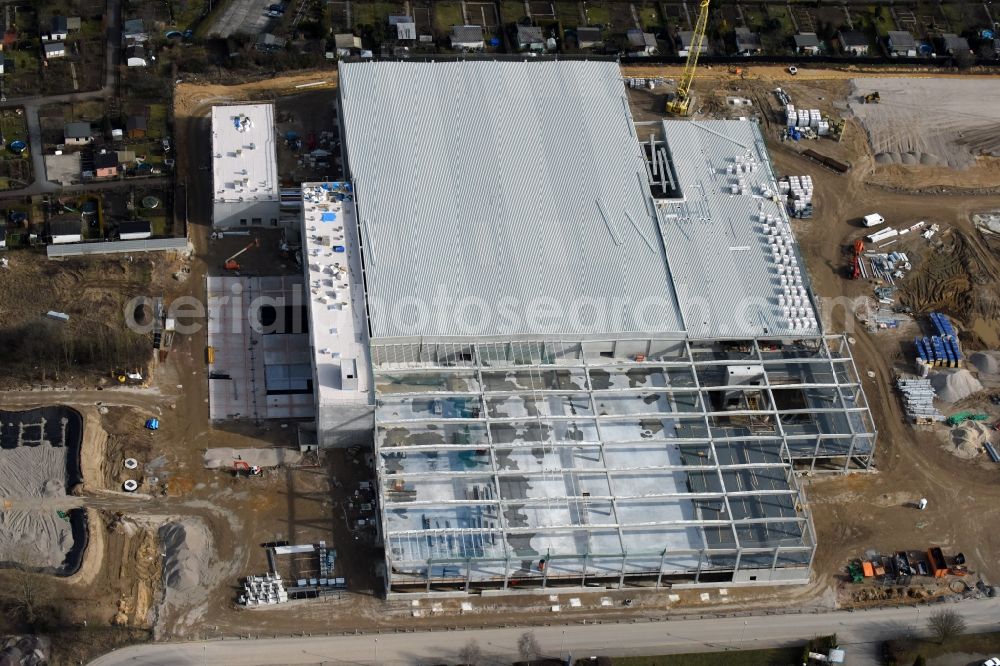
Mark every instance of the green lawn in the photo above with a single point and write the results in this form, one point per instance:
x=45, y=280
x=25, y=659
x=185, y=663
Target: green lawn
x=598, y=13
x=776, y=657
x=156, y=123
x=374, y=13
x=447, y=14
x=906, y=651
x=187, y=12
x=567, y=13
x=511, y=11
x=649, y=17
x=12, y=126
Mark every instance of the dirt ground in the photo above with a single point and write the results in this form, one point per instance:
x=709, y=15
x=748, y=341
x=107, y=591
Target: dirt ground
x=122, y=578
x=95, y=342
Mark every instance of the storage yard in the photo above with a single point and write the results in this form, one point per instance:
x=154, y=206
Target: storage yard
x=208, y=515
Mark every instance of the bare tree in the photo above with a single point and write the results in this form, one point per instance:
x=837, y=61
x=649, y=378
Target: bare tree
x=471, y=654
x=26, y=595
x=527, y=646
x=945, y=624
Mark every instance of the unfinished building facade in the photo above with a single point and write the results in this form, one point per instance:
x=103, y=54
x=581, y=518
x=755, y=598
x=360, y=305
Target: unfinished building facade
x=584, y=376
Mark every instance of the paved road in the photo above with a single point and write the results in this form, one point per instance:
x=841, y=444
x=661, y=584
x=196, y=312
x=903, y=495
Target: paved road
x=859, y=632
x=31, y=105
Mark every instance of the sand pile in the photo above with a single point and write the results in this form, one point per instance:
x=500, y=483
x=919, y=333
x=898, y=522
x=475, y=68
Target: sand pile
x=986, y=363
x=954, y=385
x=223, y=457
x=967, y=440
x=37, y=536
x=188, y=546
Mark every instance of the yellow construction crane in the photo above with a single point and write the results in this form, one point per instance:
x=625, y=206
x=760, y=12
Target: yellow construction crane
x=682, y=99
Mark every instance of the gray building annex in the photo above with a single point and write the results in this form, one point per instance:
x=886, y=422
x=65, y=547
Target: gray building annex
x=594, y=352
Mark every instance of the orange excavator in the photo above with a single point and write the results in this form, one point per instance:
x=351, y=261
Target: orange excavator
x=246, y=468
x=231, y=264
x=859, y=248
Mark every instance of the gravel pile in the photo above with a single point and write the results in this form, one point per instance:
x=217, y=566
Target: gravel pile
x=187, y=546
x=955, y=385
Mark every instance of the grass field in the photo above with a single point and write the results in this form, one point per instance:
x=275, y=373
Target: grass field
x=598, y=13
x=649, y=17
x=906, y=651
x=374, y=13
x=447, y=14
x=776, y=657
x=511, y=11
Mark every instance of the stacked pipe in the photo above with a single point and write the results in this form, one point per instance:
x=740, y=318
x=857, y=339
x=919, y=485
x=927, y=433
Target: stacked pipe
x=918, y=399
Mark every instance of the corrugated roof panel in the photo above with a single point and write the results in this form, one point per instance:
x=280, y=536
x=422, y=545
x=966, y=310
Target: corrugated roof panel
x=502, y=199
x=721, y=257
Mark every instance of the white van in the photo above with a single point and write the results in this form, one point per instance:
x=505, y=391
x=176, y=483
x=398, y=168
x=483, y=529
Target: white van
x=873, y=220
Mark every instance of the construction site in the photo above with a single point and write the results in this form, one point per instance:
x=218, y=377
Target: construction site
x=802, y=416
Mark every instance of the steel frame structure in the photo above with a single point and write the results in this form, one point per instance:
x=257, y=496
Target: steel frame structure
x=734, y=513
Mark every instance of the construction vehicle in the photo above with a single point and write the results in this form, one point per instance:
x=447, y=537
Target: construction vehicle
x=680, y=104
x=244, y=466
x=231, y=264
x=872, y=98
x=859, y=248
x=739, y=70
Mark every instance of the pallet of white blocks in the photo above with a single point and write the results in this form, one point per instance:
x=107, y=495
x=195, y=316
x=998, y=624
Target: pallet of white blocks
x=263, y=590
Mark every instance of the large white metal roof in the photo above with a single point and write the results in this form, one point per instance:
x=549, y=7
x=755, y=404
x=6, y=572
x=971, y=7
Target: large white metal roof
x=503, y=199
x=735, y=263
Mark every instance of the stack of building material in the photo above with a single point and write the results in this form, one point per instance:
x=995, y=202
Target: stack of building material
x=791, y=117
x=918, y=400
x=939, y=350
x=800, y=194
x=263, y=590
x=814, y=118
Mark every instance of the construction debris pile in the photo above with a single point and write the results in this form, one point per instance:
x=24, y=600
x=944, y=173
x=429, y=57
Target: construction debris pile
x=939, y=350
x=797, y=193
x=918, y=400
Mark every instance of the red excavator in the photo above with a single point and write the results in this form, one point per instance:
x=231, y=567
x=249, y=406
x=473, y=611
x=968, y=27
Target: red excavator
x=231, y=264
x=859, y=248
x=244, y=466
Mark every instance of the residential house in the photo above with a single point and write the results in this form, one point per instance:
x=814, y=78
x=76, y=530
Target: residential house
x=853, y=42
x=641, y=42
x=135, y=126
x=901, y=43
x=66, y=229
x=135, y=230
x=952, y=44
x=10, y=38
x=77, y=134
x=807, y=43
x=747, y=42
x=125, y=157
x=530, y=38
x=54, y=50
x=6, y=64
x=59, y=30
x=588, y=37
x=268, y=42
x=3, y=237
x=135, y=56
x=467, y=37
x=684, y=39
x=133, y=30
x=406, y=28
x=347, y=43
x=105, y=164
